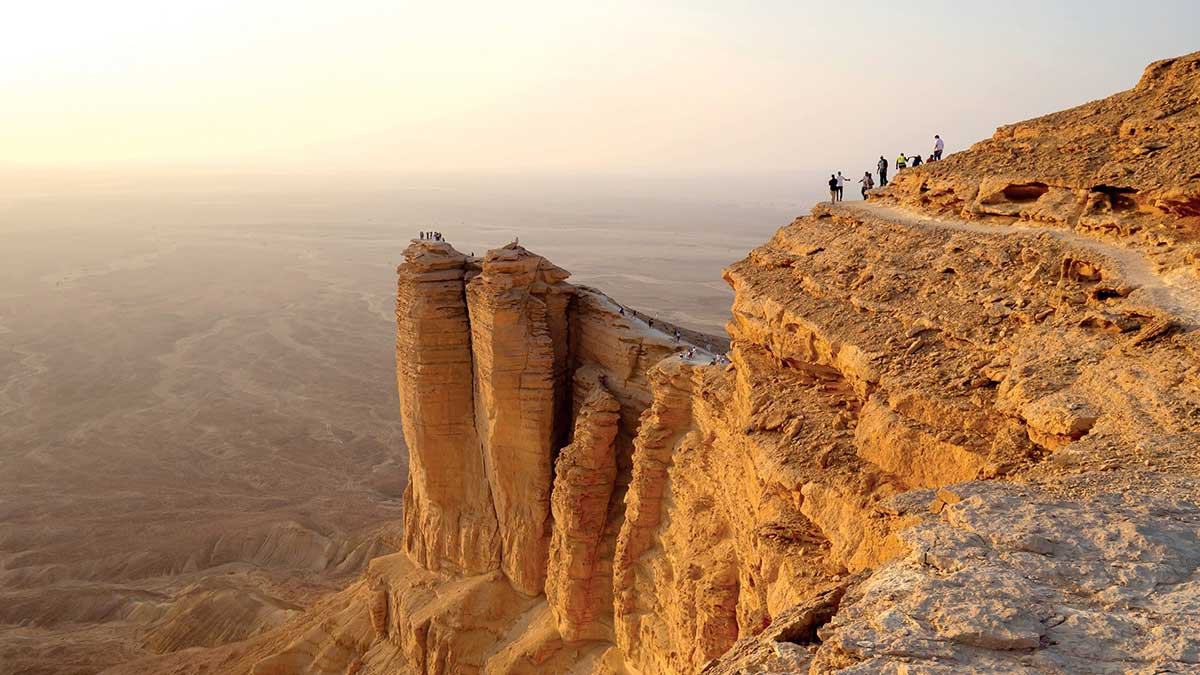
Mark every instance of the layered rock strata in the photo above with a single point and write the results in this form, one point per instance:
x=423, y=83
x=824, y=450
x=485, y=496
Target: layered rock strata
x=579, y=588
x=956, y=434
x=518, y=316
x=449, y=520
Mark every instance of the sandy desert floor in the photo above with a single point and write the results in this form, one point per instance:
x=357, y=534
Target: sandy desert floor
x=198, y=422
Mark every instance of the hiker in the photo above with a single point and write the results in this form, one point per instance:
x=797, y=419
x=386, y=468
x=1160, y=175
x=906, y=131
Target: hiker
x=421, y=235
x=916, y=160
x=621, y=311
x=938, y=146
x=677, y=335
x=883, y=164
x=832, y=188
x=841, y=184
x=650, y=322
x=901, y=163
x=867, y=183
x=931, y=159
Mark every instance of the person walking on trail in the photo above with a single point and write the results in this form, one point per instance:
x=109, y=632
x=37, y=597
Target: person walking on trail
x=901, y=163
x=832, y=188
x=938, y=146
x=916, y=160
x=677, y=335
x=867, y=183
x=883, y=166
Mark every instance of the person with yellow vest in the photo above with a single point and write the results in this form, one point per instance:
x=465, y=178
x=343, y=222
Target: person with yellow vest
x=901, y=162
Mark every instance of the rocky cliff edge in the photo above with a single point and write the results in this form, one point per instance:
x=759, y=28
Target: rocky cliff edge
x=957, y=434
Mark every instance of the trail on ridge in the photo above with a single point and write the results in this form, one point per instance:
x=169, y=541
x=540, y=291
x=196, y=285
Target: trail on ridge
x=1176, y=294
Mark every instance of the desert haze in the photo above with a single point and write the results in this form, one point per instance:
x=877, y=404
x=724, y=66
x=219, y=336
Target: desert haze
x=199, y=428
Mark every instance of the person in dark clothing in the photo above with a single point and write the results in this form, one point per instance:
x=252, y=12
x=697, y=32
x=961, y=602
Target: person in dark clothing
x=883, y=167
x=832, y=188
x=916, y=160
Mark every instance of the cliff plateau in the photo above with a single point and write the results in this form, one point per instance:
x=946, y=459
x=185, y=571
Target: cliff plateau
x=956, y=433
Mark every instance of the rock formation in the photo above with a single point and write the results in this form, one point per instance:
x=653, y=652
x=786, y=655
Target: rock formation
x=578, y=589
x=449, y=521
x=518, y=316
x=957, y=434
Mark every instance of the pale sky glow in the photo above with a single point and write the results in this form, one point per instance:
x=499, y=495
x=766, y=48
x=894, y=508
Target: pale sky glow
x=392, y=85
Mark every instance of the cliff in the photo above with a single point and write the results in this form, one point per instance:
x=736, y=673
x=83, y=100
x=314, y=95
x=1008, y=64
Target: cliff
x=956, y=434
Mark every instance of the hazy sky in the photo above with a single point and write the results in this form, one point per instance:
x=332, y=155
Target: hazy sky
x=606, y=85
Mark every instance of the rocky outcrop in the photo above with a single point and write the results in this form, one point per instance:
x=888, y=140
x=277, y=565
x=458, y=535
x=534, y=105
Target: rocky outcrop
x=955, y=433
x=1124, y=167
x=449, y=521
x=518, y=316
x=579, y=589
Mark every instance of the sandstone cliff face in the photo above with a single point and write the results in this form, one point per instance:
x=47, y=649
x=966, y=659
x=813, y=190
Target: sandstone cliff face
x=579, y=589
x=518, y=315
x=449, y=521
x=956, y=434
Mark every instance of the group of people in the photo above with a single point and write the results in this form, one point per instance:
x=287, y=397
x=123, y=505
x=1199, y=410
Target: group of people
x=431, y=236
x=718, y=360
x=687, y=354
x=837, y=181
x=649, y=321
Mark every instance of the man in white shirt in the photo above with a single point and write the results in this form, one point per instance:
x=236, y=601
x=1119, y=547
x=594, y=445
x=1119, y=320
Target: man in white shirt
x=841, y=183
x=938, y=146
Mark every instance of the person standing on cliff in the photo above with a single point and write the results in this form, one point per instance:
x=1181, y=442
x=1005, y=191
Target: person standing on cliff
x=841, y=185
x=832, y=188
x=901, y=163
x=883, y=165
x=916, y=160
x=867, y=183
x=938, y=146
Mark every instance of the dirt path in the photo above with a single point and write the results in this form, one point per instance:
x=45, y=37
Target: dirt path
x=1176, y=293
